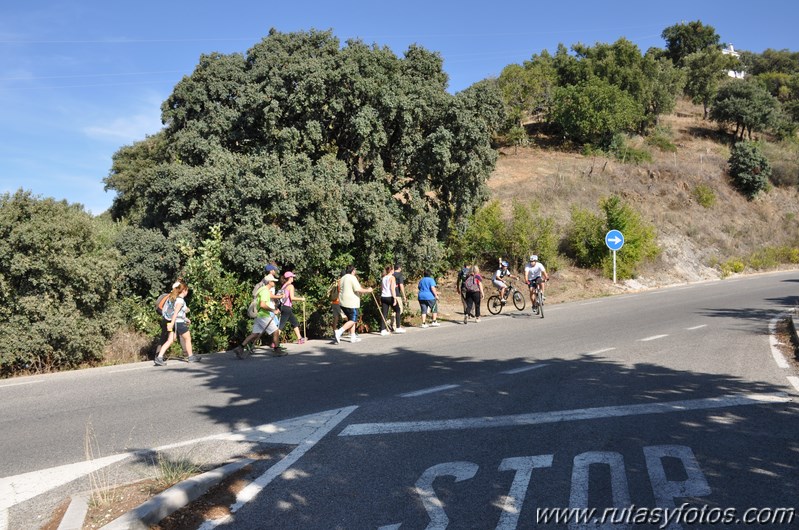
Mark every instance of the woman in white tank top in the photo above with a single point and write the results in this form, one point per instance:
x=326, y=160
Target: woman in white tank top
x=388, y=297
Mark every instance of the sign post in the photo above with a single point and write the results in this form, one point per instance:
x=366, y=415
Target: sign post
x=614, y=240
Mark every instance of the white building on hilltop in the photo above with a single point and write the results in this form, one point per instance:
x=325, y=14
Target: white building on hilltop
x=729, y=50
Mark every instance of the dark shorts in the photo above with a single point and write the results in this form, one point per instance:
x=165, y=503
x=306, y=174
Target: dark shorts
x=539, y=281
x=350, y=312
x=181, y=328
x=286, y=317
x=430, y=305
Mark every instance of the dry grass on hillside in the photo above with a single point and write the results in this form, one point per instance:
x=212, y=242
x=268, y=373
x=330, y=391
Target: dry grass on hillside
x=693, y=238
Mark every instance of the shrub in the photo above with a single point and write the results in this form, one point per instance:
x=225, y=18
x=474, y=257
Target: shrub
x=626, y=153
x=660, y=138
x=749, y=169
x=586, y=238
x=58, y=284
x=732, y=265
x=704, y=195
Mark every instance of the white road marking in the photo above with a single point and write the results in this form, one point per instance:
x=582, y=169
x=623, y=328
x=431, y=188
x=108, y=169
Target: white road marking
x=773, y=342
x=794, y=381
x=597, y=352
x=590, y=303
x=428, y=391
x=19, y=488
x=536, y=418
x=697, y=327
x=524, y=369
x=653, y=337
x=252, y=490
x=24, y=383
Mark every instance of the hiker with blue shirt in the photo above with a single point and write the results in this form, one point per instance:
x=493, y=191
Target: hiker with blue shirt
x=428, y=299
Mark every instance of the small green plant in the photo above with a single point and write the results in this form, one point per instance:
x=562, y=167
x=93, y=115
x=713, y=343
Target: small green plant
x=660, y=138
x=732, y=266
x=704, y=195
x=627, y=154
x=171, y=471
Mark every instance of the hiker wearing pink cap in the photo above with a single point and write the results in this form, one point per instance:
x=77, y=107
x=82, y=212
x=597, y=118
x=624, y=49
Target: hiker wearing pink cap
x=287, y=308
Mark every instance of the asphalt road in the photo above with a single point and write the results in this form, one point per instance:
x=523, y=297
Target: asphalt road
x=652, y=399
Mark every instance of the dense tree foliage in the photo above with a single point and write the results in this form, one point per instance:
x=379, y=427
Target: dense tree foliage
x=303, y=150
x=686, y=38
x=594, y=111
x=705, y=71
x=745, y=104
x=58, y=282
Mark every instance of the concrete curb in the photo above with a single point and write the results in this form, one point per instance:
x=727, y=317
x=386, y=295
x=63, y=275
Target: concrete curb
x=75, y=515
x=176, y=497
x=794, y=334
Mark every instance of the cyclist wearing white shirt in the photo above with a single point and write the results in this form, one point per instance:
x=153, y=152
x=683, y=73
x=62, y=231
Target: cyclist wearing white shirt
x=502, y=272
x=535, y=274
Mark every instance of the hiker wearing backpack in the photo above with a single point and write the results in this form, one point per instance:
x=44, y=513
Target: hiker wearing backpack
x=473, y=286
x=265, y=321
x=402, y=299
x=174, y=313
x=463, y=273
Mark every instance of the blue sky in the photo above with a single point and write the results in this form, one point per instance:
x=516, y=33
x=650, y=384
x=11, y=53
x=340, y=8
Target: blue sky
x=79, y=79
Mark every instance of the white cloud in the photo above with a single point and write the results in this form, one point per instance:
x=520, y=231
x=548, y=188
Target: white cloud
x=127, y=129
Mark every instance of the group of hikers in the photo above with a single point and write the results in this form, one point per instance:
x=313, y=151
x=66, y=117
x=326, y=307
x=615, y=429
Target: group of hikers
x=272, y=308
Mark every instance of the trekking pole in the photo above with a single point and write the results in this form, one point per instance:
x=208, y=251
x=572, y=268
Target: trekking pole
x=380, y=310
x=304, y=333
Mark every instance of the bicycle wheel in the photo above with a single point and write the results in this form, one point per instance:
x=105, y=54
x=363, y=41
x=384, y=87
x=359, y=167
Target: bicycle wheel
x=518, y=300
x=539, y=298
x=494, y=304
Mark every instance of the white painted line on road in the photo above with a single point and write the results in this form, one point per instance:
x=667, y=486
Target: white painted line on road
x=794, y=381
x=19, y=488
x=773, y=342
x=524, y=369
x=597, y=352
x=653, y=337
x=696, y=327
x=23, y=383
x=255, y=487
x=428, y=391
x=536, y=418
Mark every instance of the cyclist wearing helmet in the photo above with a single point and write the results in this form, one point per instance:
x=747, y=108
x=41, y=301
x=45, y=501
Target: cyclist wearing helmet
x=535, y=274
x=502, y=272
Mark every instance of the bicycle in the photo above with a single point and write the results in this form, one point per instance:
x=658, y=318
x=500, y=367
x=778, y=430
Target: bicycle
x=538, y=305
x=495, y=303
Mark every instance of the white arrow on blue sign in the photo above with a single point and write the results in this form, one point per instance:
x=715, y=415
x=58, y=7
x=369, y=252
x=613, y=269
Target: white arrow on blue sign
x=614, y=240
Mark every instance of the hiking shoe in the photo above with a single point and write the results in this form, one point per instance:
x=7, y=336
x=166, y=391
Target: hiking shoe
x=465, y=319
x=241, y=353
x=434, y=324
x=159, y=361
x=249, y=347
x=424, y=325
x=477, y=319
x=280, y=351
x=301, y=341
x=502, y=302
x=356, y=339
x=337, y=336
x=384, y=332
x=399, y=330
x=193, y=359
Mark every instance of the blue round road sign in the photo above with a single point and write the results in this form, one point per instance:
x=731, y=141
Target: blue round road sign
x=614, y=240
